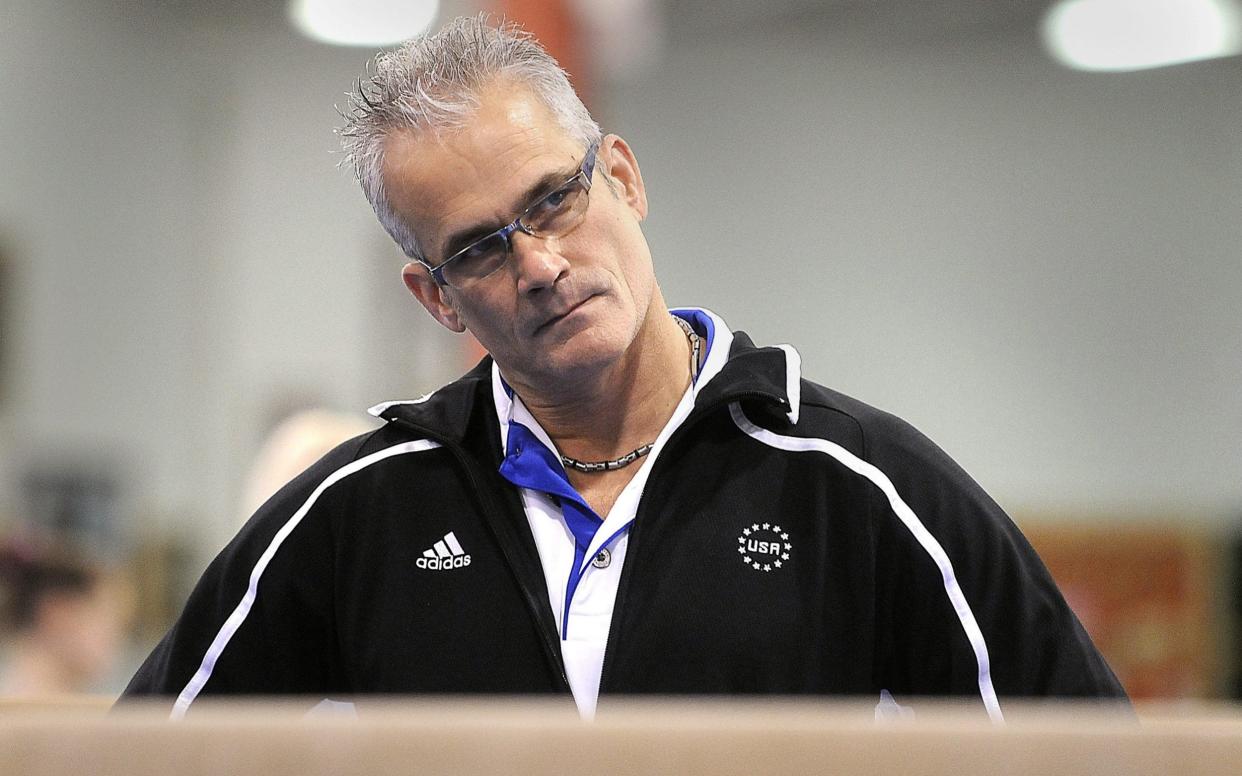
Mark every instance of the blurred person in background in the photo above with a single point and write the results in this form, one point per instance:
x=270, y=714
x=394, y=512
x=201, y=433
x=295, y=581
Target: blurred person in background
x=64, y=620
x=295, y=443
x=621, y=498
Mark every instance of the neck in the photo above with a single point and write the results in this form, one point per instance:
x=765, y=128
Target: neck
x=627, y=403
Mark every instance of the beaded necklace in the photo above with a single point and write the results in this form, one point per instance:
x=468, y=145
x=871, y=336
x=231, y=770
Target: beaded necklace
x=589, y=467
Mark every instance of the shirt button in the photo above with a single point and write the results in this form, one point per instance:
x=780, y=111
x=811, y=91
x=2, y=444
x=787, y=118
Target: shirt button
x=602, y=560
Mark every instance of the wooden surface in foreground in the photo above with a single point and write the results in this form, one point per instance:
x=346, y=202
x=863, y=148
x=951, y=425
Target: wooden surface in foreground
x=631, y=737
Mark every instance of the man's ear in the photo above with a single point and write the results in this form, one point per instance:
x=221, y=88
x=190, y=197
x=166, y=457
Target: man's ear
x=622, y=168
x=431, y=295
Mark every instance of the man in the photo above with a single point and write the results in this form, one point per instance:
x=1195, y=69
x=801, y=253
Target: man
x=620, y=499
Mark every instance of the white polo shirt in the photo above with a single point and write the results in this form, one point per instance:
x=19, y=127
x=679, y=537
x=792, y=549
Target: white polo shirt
x=582, y=554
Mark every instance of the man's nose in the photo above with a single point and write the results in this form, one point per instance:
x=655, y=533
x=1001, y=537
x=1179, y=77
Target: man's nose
x=536, y=261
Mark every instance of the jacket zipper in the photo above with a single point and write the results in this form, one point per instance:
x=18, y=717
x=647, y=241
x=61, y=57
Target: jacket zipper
x=623, y=584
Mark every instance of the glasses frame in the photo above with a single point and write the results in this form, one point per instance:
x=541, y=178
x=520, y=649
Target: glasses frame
x=583, y=175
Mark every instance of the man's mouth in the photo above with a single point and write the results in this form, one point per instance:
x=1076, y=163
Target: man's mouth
x=557, y=318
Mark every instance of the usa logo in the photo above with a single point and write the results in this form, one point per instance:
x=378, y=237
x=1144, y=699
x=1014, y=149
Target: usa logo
x=764, y=546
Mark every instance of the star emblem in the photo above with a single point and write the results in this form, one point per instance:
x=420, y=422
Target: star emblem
x=764, y=546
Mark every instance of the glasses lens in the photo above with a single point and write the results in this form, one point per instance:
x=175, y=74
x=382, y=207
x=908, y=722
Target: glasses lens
x=477, y=261
x=558, y=212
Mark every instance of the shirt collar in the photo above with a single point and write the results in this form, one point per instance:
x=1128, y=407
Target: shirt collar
x=733, y=369
x=717, y=340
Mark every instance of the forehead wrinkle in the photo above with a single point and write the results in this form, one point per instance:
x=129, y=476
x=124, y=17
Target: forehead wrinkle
x=522, y=185
x=483, y=172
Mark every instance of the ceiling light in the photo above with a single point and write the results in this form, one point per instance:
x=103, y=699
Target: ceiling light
x=1119, y=35
x=362, y=22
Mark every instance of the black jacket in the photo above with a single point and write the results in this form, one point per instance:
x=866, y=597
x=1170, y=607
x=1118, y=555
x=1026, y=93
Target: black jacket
x=841, y=554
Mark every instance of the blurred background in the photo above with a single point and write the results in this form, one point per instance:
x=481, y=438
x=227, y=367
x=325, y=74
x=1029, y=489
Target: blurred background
x=955, y=214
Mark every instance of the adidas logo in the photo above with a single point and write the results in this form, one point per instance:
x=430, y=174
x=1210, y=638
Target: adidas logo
x=444, y=555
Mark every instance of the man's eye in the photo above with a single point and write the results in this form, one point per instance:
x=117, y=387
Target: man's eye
x=475, y=250
x=555, y=200
x=485, y=247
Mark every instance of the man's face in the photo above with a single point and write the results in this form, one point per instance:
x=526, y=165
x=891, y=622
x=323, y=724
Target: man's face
x=560, y=308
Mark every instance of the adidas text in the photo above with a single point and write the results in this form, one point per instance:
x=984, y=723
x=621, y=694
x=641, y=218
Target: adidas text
x=443, y=564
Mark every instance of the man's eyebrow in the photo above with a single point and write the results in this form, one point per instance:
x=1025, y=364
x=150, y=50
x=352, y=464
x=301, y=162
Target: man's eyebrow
x=466, y=235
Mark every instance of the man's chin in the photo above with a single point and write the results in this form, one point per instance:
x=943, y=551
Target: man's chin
x=572, y=362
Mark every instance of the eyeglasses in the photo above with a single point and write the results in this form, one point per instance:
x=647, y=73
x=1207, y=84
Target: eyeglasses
x=555, y=214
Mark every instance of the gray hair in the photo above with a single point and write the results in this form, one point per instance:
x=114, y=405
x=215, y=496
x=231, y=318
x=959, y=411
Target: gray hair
x=432, y=84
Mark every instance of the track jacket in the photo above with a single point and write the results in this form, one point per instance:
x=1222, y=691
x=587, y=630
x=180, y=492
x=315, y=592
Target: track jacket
x=790, y=540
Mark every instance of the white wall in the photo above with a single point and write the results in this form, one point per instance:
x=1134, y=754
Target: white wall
x=186, y=254
x=96, y=161
x=1040, y=269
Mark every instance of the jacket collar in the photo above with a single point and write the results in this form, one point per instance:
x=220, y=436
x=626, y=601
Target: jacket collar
x=767, y=374
x=446, y=412
x=736, y=370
